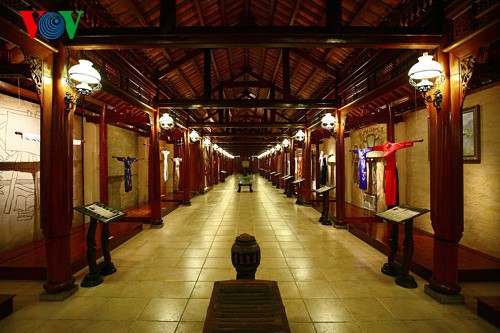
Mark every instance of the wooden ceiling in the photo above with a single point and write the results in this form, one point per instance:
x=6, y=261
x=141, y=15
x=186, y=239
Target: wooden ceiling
x=247, y=75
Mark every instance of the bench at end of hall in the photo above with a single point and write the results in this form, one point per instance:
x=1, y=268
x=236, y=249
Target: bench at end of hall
x=245, y=181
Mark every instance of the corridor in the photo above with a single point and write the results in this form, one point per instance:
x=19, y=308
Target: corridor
x=330, y=281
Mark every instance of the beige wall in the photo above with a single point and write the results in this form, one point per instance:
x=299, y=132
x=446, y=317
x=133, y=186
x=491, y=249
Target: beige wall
x=19, y=185
x=123, y=143
x=481, y=181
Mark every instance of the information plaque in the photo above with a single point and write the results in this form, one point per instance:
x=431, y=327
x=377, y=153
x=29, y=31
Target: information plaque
x=400, y=214
x=100, y=212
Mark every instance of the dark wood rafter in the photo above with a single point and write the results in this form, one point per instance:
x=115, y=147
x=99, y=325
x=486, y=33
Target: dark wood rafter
x=268, y=37
x=286, y=74
x=168, y=14
x=207, y=74
x=250, y=103
x=246, y=125
x=175, y=65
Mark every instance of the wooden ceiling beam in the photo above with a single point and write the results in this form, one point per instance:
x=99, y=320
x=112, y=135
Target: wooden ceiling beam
x=315, y=62
x=178, y=63
x=249, y=103
x=270, y=37
x=245, y=135
x=246, y=125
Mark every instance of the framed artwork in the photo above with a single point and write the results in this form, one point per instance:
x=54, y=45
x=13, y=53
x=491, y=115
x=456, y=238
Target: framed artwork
x=471, y=135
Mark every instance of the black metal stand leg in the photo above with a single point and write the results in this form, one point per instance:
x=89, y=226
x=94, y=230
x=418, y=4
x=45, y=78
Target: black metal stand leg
x=390, y=268
x=93, y=278
x=326, y=205
x=404, y=278
x=106, y=267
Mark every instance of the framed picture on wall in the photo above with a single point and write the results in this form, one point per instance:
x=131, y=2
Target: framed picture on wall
x=471, y=135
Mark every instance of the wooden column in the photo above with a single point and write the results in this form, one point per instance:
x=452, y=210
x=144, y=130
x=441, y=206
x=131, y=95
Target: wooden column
x=155, y=173
x=286, y=74
x=447, y=193
x=186, y=169
x=57, y=179
x=292, y=158
x=306, y=167
x=318, y=164
x=198, y=167
x=167, y=15
x=215, y=168
x=207, y=74
x=340, y=220
x=103, y=157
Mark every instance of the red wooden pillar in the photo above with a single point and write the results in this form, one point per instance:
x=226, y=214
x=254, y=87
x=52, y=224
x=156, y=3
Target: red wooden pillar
x=201, y=168
x=103, y=157
x=215, y=169
x=186, y=169
x=292, y=157
x=317, y=162
x=306, y=167
x=57, y=181
x=340, y=219
x=447, y=193
x=154, y=174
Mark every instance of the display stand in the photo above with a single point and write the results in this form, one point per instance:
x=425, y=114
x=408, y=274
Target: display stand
x=298, y=182
x=325, y=193
x=287, y=180
x=276, y=180
x=401, y=215
x=223, y=175
x=98, y=212
x=271, y=176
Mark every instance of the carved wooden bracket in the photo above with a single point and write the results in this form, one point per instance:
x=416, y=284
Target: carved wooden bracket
x=36, y=69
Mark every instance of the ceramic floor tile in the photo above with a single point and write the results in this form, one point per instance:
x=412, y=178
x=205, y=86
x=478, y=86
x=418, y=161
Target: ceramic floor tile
x=104, y=326
x=327, y=310
x=296, y=311
x=348, y=327
x=367, y=309
x=189, y=327
x=190, y=262
x=175, y=289
x=11, y=325
x=409, y=309
x=350, y=288
x=81, y=307
x=316, y=289
x=152, y=327
x=122, y=309
x=196, y=310
x=307, y=274
x=159, y=309
x=302, y=328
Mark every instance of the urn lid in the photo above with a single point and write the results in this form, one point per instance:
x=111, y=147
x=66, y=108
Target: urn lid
x=245, y=238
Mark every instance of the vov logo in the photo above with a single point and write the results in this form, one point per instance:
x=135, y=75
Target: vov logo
x=51, y=25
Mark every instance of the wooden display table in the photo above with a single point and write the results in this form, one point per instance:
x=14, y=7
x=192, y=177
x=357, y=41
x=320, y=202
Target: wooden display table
x=325, y=213
x=246, y=306
x=276, y=180
x=401, y=215
x=98, y=212
x=271, y=176
x=223, y=175
x=298, y=182
x=245, y=181
x=287, y=183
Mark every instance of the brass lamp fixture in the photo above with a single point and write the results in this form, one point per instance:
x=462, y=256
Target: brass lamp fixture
x=422, y=75
x=166, y=121
x=84, y=78
x=300, y=135
x=207, y=142
x=328, y=122
x=285, y=143
x=194, y=136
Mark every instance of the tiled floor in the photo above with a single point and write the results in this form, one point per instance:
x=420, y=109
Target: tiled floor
x=330, y=281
